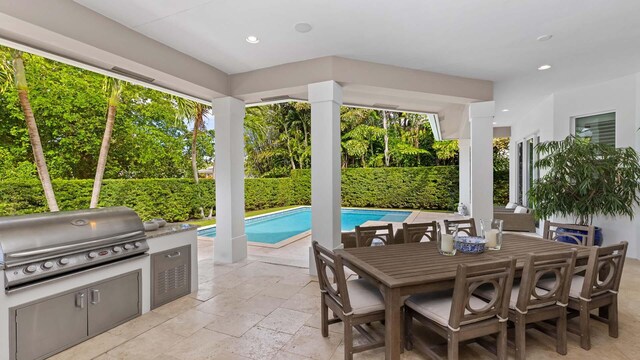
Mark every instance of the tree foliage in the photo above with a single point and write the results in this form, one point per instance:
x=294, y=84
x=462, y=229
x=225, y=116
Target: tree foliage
x=585, y=179
x=71, y=107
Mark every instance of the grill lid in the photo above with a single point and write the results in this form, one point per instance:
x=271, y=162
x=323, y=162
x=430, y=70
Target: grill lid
x=27, y=236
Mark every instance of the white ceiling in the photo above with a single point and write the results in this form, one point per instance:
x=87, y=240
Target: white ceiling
x=487, y=39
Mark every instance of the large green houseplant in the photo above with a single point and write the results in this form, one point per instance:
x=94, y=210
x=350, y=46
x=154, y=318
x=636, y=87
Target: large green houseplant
x=584, y=180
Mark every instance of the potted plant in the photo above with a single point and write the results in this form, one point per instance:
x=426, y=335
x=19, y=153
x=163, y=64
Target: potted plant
x=584, y=180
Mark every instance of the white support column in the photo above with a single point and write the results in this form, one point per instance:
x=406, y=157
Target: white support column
x=231, y=241
x=325, y=98
x=464, y=171
x=481, y=117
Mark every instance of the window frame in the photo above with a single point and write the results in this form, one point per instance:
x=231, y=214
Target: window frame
x=615, y=121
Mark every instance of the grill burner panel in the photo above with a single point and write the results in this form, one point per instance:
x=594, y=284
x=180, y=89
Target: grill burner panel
x=40, y=247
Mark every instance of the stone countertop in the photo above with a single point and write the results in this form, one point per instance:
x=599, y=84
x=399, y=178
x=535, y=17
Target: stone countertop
x=170, y=229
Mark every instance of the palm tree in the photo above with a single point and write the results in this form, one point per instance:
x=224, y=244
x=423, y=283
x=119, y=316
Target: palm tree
x=195, y=112
x=114, y=88
x=16, y=73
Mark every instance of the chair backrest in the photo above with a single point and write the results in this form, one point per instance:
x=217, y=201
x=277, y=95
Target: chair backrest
x=557, y=266
x=328, y=264
x=414, y=233
x=604, y=270
x=498, y=274
x=349, y=239
x=365, y=235
x=467, y=226
x=570, y=233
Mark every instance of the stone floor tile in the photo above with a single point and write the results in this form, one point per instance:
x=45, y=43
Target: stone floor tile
x=307, y=342
x=283, y=355
x=146, y=346
x=315, y=321
x=139, y=325
x=285, y=320
x=203, y=344
x=234, y=324
x=311, y=289
x=280, y=290
x=91, y=348
x=222, y=304
x=260, y=304
x=258, y=343
x=177, y=307
x=303, y=303
x=187, y=323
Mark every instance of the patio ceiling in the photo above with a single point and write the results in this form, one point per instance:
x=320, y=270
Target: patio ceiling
x=198, y=47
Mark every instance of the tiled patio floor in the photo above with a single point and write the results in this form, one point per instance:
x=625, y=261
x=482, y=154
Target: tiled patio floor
x=259, y=310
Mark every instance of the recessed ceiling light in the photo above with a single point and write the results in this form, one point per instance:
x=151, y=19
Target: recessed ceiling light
x=505, y=110
x=303, y=27
x=495, y=123
x=544, y=67
x=544, y=37
x=252, y=39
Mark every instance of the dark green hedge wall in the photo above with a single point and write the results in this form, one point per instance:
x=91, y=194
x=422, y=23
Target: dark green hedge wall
x=434, y=188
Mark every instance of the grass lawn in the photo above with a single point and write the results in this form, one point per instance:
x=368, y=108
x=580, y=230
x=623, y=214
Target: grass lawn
x=207, y=222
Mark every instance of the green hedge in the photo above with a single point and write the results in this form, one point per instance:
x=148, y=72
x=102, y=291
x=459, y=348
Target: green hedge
x=434, y=188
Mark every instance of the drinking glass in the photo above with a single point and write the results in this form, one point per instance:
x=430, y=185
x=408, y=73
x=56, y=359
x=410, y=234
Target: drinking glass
x=492, y=232
x=446, y=244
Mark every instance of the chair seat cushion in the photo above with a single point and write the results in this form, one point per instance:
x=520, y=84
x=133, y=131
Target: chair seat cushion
x=364, y=297
x=437, y=306
x=576, y=285
x=487, y=294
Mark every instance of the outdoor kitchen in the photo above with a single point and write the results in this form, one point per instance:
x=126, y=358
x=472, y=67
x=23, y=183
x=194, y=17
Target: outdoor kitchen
x=69, y=276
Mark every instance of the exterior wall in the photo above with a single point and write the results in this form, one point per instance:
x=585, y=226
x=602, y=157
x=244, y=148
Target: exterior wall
x=552, y=120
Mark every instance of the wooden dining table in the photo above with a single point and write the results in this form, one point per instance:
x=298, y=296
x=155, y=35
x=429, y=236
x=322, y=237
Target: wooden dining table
x=406, y=269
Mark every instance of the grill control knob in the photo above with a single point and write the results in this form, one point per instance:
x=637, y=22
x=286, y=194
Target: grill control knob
x=128, y=247
x=63, y=261
x=92, y=255
x=137, y=244
x=117, y=249
x=30, y=269
x=47, y=265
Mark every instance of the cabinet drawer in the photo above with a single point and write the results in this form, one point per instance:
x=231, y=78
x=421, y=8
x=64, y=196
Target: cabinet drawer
x=170, y=275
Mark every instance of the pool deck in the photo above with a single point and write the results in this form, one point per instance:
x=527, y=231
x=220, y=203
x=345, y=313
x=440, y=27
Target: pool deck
x=295, y=250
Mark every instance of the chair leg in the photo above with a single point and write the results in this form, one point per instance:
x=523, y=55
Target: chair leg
x=408, y=322
x=501, y=342
x=453, y=345
x=348, y=339
x=585, y=334
x=613, y=318
x=561, y=333
x=521, y=336
x=324, y=315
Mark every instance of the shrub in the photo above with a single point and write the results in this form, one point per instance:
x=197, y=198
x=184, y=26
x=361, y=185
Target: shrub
x=434, y=188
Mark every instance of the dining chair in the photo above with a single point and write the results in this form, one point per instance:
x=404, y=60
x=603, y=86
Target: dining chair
x=531, y=305
x=597, y=289
x=461, y=316
x=467, y=226
x=354, y=302
x=570, y=233
x=365, y=235
x=416, y=232
x=348, y=239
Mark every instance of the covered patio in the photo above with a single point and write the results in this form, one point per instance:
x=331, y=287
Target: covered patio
x=475, y=76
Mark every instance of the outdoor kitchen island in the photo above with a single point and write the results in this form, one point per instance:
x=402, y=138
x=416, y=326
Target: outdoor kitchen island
x=47, y=314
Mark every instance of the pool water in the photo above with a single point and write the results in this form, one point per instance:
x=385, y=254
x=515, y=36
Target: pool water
x=273, y=228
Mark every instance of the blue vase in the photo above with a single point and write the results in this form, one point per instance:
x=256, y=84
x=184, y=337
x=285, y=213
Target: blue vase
x=597, y=239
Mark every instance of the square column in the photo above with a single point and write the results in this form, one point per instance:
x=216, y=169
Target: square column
x=481, y=117
x=464, y=171
x=231, y=241
x=325, y=98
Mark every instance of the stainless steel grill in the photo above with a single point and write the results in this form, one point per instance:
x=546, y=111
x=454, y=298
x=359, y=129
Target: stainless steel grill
x=41, y=247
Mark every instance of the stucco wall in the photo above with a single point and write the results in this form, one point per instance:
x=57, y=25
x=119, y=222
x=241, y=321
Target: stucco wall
x=552, y=118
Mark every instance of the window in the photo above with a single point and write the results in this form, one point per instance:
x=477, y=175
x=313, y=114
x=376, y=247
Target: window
x=601, y=129
x=527, y=173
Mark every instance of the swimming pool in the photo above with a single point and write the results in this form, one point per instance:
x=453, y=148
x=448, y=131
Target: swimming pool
x=273, y=228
